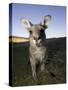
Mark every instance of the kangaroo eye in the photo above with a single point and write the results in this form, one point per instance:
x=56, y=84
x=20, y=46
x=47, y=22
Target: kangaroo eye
x=30, y=32
x=42, y=31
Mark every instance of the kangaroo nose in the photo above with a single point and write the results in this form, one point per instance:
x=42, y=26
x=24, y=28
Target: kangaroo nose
x=37, y=38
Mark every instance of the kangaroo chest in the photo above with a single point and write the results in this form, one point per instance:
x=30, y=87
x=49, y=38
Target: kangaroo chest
x=38, y=53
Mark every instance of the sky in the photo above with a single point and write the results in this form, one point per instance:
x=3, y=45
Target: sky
x=34, y=13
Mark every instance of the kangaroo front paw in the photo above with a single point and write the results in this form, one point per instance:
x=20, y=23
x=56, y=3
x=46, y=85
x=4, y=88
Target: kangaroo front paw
x=42, y=68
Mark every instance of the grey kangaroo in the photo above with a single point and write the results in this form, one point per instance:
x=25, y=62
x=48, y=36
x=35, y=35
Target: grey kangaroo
x=37, y=49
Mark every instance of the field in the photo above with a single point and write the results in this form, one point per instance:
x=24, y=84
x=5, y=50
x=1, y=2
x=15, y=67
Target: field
x=55, y=72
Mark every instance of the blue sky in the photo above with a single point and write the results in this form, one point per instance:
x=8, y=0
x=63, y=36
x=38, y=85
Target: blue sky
x=34, y=13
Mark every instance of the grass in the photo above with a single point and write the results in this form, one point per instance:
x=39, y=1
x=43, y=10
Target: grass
x=55, y=72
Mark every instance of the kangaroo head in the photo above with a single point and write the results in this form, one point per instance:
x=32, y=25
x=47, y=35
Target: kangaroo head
x=37, y=31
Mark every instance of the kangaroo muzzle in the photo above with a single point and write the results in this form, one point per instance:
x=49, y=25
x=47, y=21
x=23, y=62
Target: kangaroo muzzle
x=37, y=42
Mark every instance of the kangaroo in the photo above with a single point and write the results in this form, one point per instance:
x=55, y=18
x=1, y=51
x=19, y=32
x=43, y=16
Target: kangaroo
x=37, y=38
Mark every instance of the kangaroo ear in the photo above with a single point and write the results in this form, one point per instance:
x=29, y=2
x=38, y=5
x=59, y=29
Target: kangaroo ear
x=26, y=23
x=46, y=20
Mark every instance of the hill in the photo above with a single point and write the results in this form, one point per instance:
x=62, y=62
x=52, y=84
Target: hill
x=16, y=39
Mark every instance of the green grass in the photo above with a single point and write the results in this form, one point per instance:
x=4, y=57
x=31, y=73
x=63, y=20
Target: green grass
x=55, y=72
